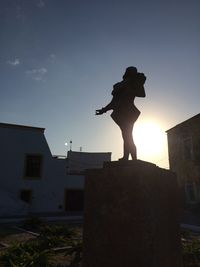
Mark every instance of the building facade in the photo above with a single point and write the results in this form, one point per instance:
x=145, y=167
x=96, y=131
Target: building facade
x=32, y=181
x=184, y=156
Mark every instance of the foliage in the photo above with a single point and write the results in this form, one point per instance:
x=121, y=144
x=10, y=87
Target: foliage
x=55, y=236
x=52, y=241
x=191, y=253
x=25, y=255
x=54, y=230
x=76, y=252
x=38, y=252
x=186, y=234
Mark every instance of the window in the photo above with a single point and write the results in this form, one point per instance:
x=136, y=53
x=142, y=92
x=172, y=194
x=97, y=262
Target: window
x=74, y=200
x=26, y=195
x=33, y=166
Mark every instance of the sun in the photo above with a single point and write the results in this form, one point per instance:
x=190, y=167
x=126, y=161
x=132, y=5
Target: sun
x=150, y=140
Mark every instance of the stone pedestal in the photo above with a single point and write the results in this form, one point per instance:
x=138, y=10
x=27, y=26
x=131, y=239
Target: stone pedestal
x=131, y=216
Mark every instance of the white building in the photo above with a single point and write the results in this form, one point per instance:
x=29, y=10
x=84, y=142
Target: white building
x=32, y=181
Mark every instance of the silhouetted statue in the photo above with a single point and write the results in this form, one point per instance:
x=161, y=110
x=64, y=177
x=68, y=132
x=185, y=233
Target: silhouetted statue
x=125, y=112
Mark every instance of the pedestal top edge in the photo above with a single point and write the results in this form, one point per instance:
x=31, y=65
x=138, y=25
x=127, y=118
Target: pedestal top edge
x=127, y=163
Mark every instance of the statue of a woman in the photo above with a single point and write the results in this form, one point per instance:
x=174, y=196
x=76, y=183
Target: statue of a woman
x=125, y=112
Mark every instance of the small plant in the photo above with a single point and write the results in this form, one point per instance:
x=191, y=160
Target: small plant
x=76, y=252
x=55, y=236
x=191, y=253
x=185, y=233
x=52, y=242
x=56, y=230
x=25, y=255
x=39, y=251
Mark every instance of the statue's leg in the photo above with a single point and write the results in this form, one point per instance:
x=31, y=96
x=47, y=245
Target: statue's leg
x=132, y=147
x=129, y=146
x=126, y=148
x=126, y=138
x=133, y=151
x=125, y=144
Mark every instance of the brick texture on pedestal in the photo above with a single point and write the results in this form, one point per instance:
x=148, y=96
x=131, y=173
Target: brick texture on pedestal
x=131, y=216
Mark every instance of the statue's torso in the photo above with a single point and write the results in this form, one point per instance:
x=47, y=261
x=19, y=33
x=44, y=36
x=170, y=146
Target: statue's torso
x=124, y=109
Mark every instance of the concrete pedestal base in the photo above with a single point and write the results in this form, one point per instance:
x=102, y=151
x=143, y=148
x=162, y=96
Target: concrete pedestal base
x=131, y=216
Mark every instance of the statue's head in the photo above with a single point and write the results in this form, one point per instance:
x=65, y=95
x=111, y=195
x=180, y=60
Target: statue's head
x=130, y=72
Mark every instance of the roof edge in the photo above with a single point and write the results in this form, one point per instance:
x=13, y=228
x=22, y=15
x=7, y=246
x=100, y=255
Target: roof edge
x=197, y=115
x=18, y=126
x=85, y=152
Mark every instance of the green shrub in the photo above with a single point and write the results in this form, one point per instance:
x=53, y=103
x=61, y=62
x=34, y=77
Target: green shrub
x=25, y=255
x=76, y=252
x=56, y=230
x=37, y=252
x=52, y=242
x=55, y=236
x=191, y=253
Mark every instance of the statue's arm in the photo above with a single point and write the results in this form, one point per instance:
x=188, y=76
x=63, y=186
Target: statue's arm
x=140, y=92
x=139, y=85
x=106, y=108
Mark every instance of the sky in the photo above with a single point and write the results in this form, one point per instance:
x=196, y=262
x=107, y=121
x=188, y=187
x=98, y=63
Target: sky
x=59, y=60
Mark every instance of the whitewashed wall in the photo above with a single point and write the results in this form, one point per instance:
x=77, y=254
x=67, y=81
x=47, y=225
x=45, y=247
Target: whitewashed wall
x=47, y=192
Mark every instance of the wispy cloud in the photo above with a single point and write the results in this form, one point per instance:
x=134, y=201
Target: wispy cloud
x=40, y=3
x=15, y=62
x=37, y=74
x=52, y=57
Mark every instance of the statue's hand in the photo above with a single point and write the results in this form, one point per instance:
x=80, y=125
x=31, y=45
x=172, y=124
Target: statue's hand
x=99, y=111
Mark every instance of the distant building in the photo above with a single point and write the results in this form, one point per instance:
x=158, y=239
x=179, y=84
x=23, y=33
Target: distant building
x=32, y=181
x=184, y=156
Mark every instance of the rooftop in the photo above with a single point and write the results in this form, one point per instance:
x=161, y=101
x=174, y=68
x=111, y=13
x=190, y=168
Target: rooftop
x=185, y=122
x=24, y=127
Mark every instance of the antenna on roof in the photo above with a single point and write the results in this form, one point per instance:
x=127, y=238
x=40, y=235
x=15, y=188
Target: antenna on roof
x=80, y=148
x=70, y=145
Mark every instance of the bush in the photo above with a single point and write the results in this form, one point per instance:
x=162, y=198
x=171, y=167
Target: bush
x=25, y=255
x=54, y=230
x=55, y=236
x=191, y=253
x=76, y=252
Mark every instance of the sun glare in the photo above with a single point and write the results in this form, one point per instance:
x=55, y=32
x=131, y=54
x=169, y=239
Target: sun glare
x=150, y=140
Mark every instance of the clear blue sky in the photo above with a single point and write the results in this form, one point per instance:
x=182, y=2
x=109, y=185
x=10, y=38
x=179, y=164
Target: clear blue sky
x=60, y=58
